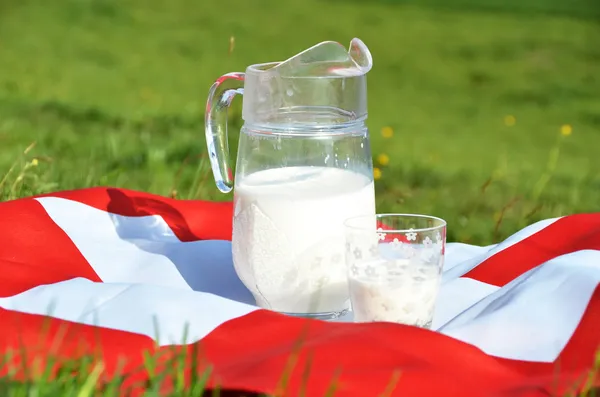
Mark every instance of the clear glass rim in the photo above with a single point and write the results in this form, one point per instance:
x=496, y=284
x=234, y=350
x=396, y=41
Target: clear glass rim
x=348, y=222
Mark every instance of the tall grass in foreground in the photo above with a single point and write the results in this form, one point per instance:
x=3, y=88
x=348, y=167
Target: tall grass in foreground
x=174, y=372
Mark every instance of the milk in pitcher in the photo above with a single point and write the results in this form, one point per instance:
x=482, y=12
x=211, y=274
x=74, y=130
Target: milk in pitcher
x=288, y=235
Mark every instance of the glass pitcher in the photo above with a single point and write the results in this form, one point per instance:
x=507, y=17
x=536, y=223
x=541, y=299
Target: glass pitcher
x=304, y=165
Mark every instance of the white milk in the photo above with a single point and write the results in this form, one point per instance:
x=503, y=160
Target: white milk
x=399, y=291
x=288, y=235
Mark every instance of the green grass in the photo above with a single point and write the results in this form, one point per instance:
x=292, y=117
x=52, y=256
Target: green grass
x=112, y=92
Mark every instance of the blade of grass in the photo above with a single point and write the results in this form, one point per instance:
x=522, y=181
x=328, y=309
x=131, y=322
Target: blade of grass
x=292, y=359
x=333, y=386
x=391, y=386
x=88, y=386
x=306, y=374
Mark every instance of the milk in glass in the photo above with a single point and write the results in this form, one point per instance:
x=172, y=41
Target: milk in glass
x=398, y=291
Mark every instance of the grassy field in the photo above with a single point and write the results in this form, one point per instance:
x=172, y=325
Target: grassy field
x=486, y=113
x=475, y=92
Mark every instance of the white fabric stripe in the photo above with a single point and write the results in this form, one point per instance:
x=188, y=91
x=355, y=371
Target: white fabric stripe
x=548, y=302
x=533, y=317
x=141, y=308
x=109, y=243
x=123, y=249
x=458, y=253
x=456, y=296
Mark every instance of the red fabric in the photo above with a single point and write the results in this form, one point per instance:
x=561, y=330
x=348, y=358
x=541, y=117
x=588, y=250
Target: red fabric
x=34, y=250
x=190, y=220
x=251, y=352
x=566, y=235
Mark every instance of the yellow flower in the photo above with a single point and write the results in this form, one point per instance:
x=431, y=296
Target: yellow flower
x=387, y=132
x=231, y=44
x=510, y=120
x=383, y=159
x=376, y=173
x=566, y=130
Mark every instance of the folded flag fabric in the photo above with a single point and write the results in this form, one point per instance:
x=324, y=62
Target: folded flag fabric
x=121, y=272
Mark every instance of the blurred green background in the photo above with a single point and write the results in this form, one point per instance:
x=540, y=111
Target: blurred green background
x=483, y=112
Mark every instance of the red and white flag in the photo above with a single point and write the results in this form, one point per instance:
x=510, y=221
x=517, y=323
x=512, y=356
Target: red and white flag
x=122, y=272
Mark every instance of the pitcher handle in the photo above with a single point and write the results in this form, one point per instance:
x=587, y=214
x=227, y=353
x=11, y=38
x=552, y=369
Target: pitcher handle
x=220, y=96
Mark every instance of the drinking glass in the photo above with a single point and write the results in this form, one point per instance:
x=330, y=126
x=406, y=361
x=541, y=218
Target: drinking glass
x=394, y=264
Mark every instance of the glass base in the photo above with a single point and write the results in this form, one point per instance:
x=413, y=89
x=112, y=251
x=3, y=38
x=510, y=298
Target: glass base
x=319, y=316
